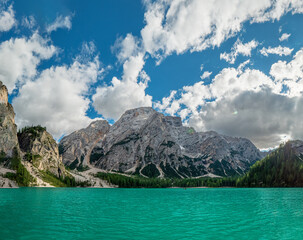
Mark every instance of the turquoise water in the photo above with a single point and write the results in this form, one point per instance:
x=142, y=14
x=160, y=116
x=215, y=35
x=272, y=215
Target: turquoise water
x=75, y=213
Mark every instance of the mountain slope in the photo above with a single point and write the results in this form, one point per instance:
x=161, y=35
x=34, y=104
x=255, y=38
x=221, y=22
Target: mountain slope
x=78, y=145
x=8, y=128
x=150, y=144
x=41, y=150
x=281, y=168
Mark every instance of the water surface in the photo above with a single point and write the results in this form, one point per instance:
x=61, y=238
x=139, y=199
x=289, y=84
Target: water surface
x=210, y=213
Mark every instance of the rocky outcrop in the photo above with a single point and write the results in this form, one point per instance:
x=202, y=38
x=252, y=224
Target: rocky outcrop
x=76, y=148
x=8, y=128
x=41, y=150
x=148, y=143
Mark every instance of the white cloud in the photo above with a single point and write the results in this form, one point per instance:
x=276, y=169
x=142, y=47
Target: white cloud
x=166, y=101
x=29, y=22
x=57, y=98
x=20, y=57
x=246, y=102
x=281, y=51
x=263, y=116
x=290, y=74
x=129, y=92
x=284, y=37
x=239, y=48
x=60, y=22
x=126, y=47
x=7, y=19
x=278, y=9
x=177, y=26
x=205, y=75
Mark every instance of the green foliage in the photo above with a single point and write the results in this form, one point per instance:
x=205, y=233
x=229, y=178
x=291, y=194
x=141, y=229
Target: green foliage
x=95, y=157
x=140, y=182
x=35, y=131
x=22, y=177
x=82, y=168
x=67, y=181
x=150, y=171
x=74, y=164
x=32, y=158
x=52, y=179
x=61, y=149
x=134, y=182
x=205, y=182
x=281, y=168
x=3, y=157
x=10, y=175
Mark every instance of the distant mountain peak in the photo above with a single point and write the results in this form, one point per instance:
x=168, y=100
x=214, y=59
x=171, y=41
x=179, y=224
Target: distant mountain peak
x=146, y=142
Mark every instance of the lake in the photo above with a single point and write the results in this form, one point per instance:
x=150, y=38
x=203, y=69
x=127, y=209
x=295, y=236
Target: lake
x=201, y=213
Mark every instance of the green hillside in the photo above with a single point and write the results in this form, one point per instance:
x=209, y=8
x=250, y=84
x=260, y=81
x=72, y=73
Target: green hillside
x=281, y=168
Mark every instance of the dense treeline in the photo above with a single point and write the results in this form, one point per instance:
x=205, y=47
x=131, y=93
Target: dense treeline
x=22, y=176
x=35, y=131
x=281, y=168
x=140, y=182
x=32, y=129
x=67, y=181
x=134, y=182
x=205, y=182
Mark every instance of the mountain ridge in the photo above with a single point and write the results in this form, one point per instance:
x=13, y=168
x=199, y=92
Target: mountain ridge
x=146, y=141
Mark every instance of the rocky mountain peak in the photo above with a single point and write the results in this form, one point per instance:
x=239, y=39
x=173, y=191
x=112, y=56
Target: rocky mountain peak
x=134, y=118
x=3, y=94
x=8, y=128
x=297, y=146
x=146, y=142
x=41, y=150
x=76, y=147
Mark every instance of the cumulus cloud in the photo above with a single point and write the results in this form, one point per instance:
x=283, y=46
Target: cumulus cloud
x=246, y=102
x=20, y=57
x=178, y=26
x=205, y=75
x=263, y=116
x=60, y=22
x=126, y=47
x=7, y=19
x=168, y=104
x=281, y=51
x=113, y=100
x=290, y=74
x=239, y=48
x=284, y=37
x=57, y=98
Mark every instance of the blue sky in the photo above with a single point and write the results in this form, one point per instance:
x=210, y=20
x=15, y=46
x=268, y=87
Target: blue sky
x=68, y=62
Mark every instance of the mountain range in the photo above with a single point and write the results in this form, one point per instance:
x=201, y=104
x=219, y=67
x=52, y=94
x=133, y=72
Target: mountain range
x=148, y=143
x=142, y=143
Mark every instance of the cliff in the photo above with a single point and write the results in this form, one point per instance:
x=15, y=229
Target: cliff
x=40, y=149
x=8, y=128
x=76, y=147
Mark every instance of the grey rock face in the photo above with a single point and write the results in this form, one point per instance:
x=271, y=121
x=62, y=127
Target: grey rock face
x=8, y=128
x=41, y=150
x=297, y=146
x=148, y=143
x=76, y=147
